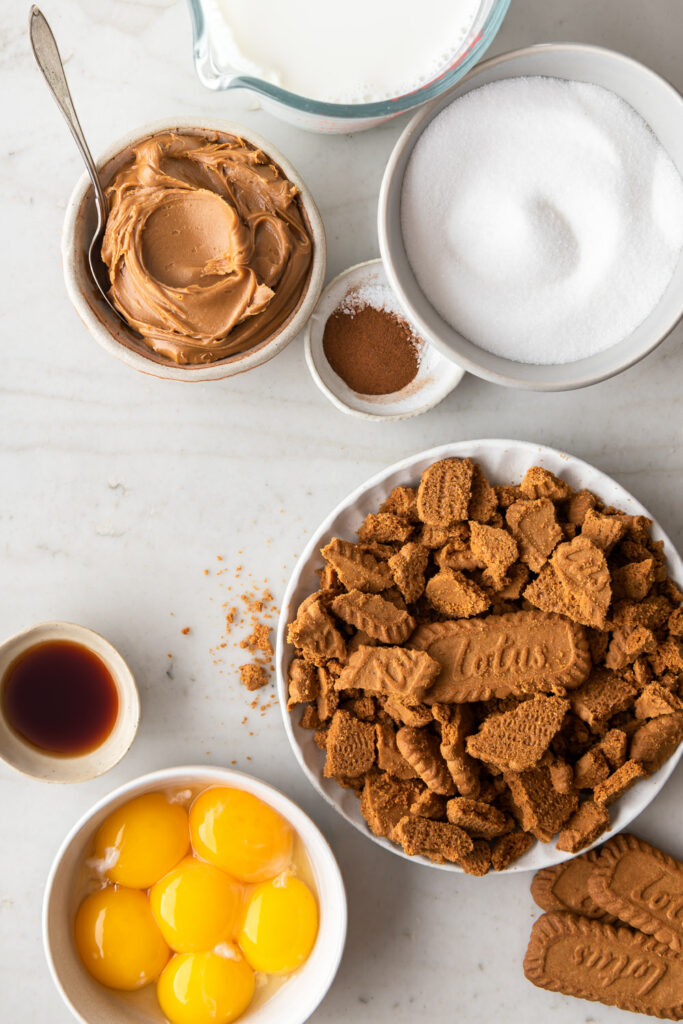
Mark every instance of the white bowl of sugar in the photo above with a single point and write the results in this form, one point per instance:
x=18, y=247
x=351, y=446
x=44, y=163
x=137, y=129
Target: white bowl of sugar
x=534, y=231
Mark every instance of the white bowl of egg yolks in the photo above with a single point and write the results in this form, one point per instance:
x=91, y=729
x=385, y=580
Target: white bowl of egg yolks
x=290, y=999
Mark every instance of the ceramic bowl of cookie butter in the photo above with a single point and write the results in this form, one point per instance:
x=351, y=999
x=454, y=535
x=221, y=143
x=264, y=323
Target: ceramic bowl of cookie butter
x=214, y=250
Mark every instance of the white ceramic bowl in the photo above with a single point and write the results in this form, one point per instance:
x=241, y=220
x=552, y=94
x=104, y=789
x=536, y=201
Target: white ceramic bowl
x=91, y=1003
x=503, y=462
x=108, y=330
x=436, y=376
x=55, y=768
x=661, y=107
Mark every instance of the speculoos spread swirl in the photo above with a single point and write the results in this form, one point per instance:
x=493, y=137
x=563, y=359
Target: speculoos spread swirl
x=206, y=245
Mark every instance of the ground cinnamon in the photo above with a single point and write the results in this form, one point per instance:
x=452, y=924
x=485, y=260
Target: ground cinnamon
x=373, y=350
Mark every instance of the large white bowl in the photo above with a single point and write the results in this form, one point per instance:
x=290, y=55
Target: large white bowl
x=662, y=108
x=109, y=331
x=92, y=1003
x=503, y=462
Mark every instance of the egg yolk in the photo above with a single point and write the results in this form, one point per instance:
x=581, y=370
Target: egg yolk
x=205, y=988
x=237, y=832
x=142, y=840
x=196, y=906
x=280, y=925
x=118, y=940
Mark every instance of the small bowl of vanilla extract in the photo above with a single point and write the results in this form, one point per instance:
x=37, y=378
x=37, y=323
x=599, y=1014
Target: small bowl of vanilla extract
x=69, y=706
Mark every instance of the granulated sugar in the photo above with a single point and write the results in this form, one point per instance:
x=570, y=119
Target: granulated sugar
x=542, y=218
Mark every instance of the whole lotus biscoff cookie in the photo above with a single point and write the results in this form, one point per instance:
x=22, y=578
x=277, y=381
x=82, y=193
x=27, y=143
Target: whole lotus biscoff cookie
x=641, y=886
x=565, y=887
x=615, y=966
x=523, y=652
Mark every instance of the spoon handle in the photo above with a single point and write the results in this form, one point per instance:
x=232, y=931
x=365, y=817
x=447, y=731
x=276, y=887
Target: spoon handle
x=47, y=57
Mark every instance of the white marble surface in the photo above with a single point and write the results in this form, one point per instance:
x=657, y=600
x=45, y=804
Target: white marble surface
x=117, y=491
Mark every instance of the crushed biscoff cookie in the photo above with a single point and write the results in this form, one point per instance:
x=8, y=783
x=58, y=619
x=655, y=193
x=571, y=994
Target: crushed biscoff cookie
x=253, y=676
x=487, y=666
x=251, y=614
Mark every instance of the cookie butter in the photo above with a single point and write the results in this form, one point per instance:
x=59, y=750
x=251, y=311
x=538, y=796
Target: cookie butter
x=206, y=245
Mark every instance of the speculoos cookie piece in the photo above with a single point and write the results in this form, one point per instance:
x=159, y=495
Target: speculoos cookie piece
x=657, y=700
x=478, y=861
x=591, y=769
x=576, y=582
x=634, y=581
x=389, y=757
x=385, y=527
x=421, y=750
x=483, y=501
x=377, y=617
x=655, y=741
x=541, y=483
x=393, y=671
x=618, y=783
x=350, y=746
x=480, y=820
x=603, y=531
x=509, y=848
x=537, y=805
x=356, y=567
x=314, y=634
x=614, y=745
x=429, y=805
x=438, y=840
x=402, y=502
x=443, y=497
x=407, y=569
x=384, y=801
x=535, y=528
x=517, y=739
x=495, y=548
x=455, y=596
x=303, y=683
x=601, y=697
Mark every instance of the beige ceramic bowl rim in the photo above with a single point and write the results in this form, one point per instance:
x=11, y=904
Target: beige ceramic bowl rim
x=304, y=826
x=85, y=765
x=450, y=382
x=243, y=361
x=407, y=140
x=631, y=804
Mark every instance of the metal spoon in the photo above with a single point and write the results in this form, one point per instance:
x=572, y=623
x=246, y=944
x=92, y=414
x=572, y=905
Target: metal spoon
x=50, y=63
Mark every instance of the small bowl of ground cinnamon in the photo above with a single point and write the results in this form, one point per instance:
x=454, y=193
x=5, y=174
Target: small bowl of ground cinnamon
x=365, y=356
